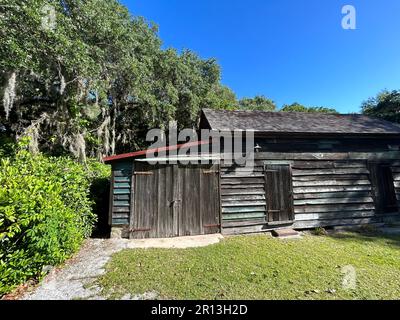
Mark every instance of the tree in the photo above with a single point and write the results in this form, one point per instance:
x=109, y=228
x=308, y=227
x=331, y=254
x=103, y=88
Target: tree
x=87, y=78
x=296, y=107
x=386, y=105
x=257, y=103
x=221, y=97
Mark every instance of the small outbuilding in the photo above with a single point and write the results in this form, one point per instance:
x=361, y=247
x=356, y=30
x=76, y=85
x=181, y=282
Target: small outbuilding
x=310, y=170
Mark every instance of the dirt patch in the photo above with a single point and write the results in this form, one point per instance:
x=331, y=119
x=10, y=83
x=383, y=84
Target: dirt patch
x=76, y=280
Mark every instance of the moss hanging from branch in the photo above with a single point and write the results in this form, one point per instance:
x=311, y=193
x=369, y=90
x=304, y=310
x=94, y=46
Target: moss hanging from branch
x=9, y=94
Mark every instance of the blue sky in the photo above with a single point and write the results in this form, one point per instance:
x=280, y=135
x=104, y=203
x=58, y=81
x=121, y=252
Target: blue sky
x=288, y=50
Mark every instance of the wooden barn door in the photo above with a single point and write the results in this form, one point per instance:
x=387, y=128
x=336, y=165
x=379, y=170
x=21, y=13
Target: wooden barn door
x=383, y=187
x=278, y=180
x=199, y=200
x=154, y=213
x=175, y=200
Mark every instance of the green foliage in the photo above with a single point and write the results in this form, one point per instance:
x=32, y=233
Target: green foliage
x=221, y=97
x=386, y=105
x=319, y=231
x=7, y=146
x=45, y=212
x=96, y=80
x=260, y=103
x=296, y=107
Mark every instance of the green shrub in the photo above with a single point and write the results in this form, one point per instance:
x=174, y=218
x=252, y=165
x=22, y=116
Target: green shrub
x=45, y=213
x=319, y=231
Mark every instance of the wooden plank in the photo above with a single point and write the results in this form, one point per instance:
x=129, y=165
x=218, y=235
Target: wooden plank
x=331, y=177
x=241, y=186
x=249, y=215
x=122, y=185
x=333, y=201
x=390, y=155
x=333, y=208
x=330, y=183
x=313, y=172
x=120, y=209
x=121, y=216
x=245, y=229
x=334, y=222
x=242, y=175
x=243, y=223
x=121, y=203
x=122, y=197
x=242, y=203
x=243, y=197
x=242, y=170
x=234, y=192
x=123, y=173
x=241, y=181
x=122, y=179
x=328, y=195
x=328, y=164
x=243, y=209
x=334, y=215
x=120, y=222
x=320, y=189
x=121, y=191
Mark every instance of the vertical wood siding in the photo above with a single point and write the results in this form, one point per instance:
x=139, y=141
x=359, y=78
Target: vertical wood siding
x=396, y=177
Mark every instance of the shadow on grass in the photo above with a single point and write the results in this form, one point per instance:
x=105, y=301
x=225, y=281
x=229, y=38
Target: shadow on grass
x=364, y=235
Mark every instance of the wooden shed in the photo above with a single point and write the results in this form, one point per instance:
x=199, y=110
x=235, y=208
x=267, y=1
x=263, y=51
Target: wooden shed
x=311, y=170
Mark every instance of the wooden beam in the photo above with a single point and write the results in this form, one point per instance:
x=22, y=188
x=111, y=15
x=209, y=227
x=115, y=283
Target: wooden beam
x=389, y=155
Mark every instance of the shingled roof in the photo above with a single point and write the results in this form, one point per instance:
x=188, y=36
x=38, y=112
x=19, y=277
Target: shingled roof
x=297, y=122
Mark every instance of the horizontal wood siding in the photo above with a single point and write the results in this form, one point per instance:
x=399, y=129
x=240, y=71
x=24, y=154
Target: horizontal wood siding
x=348, y=201
x=329, y=189
x=121, y=192
x=243, y=197
x=337, y=144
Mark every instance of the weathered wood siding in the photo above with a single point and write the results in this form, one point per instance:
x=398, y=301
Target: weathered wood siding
x=243, y=197
x=328, y=193
x=175, y=200
x=121, y=192
x=329, y=189
x=396, y=178
x=336, y=144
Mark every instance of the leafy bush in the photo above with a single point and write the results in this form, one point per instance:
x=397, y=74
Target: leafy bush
x=319, y=231
x=45, y=213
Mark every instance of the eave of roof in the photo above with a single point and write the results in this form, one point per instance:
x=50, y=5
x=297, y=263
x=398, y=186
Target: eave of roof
x=141, y=153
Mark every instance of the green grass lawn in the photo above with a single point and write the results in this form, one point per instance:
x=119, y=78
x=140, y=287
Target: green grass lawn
x=260, y=267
